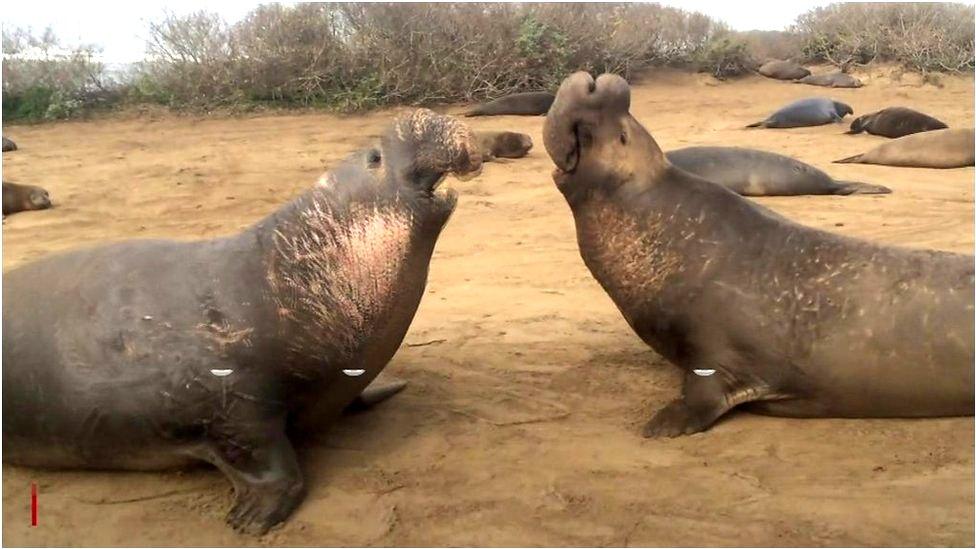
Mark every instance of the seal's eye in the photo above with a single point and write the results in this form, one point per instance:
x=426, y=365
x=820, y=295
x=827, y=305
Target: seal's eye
x=623, y=138
x=373, y=158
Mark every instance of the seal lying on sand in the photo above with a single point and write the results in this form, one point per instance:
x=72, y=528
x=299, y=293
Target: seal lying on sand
x=831, y=80
x=813, y=111
x=530, y=103
x=9, y=145
x=21, y=198
x=757, y=310
x=783, y=70
x=895, y=122
x=759, y=173
x=503, y=145
x=933, y=149
x=153, y=354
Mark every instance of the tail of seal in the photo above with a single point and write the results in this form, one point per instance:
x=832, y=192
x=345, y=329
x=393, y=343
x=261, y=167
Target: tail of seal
x=850, y=159
x=853, y=187
x=477, y=111
x=756, y=124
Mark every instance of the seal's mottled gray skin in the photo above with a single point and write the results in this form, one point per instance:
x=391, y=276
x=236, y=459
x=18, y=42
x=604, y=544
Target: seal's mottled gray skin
x=895, y=122
x=759, y=173
x=831, y=80
x=154, y=354
x=813, y=111
x=503, y=145
x=526, y=104
x=947, y=148
x=22, y=198
x=779, y=317
x=783, y=70
x=9, y=145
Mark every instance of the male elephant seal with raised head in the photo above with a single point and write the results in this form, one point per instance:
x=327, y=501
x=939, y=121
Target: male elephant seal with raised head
x=933, y=149
x=813, y=111
x=750, y=172
x=831, y=80
x=756, y=309
x=9, y=145
x=526, y=104
x=503, y=145
x=783, y=70
x=22, y=198
x=154, y=354
x=895, y=122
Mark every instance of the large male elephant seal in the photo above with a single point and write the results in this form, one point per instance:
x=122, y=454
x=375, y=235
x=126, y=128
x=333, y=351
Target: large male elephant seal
x=22, y=198
x=758, y=310
x=831, y=80
x=153, y=354
x=895, y=122
x=9, y=145
x=759, y=173
x=783, y=70
x=503, y=145
x=528, y=104
x=813, y=111
x=934, y=149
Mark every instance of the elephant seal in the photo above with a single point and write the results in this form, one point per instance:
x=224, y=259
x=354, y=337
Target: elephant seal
x=895, y=122
x=813, y=111
x=749, y=172
x=9, y=145
x=529, y=104
x=756, y=309
x=933, y=149
x=22, y=198
x=503, y=145
x=154, y=354
x=831, y=80
x=783, y=70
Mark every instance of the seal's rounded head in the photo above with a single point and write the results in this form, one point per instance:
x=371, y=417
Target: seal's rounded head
x=857, y=125
x=843, y=109
x=593, y=139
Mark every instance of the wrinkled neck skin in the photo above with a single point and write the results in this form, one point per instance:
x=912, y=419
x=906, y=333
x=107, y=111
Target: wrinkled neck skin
x=346, y=266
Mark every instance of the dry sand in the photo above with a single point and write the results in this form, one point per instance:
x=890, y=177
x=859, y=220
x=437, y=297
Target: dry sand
x=527, y=389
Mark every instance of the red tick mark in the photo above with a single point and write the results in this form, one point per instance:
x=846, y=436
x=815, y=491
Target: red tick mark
x=33, y=504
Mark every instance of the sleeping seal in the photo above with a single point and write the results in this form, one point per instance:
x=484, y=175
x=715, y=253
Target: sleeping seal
x=895, y=122
x=813, y=111
x=933, y=149
x=526, y=104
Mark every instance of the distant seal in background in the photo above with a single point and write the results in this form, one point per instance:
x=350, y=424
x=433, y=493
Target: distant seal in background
x=783, y=70
x=895, y=122
x=813, y=111
x=933, y=149
x=757, y=311
x=750, y=172
x=22, y=198
x=9, y=145
x=503, y=145
x=529, y=104
x=159, y=354
x=831, y=80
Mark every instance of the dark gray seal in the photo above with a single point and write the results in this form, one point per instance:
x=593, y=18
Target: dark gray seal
x=756, y=309
x=783, y=70
x=526, y=104
x=813, y=111
x=759, y=173
x=503, y=145
x=933, y=149
x=831, y=80
x=22, y=198
x=9, y=145
x=155, y=354
x=895, y=122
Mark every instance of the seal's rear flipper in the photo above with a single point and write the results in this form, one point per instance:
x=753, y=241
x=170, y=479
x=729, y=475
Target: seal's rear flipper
x=849, y=160
x=756, y=124
x=853, y=187
x=375, y=393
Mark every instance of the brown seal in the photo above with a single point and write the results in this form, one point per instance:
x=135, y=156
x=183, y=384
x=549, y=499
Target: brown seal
x=895, y=122
x=526, y=104
x=503, y=145
x=22, y=198
x=831, y=80
x=947, y=148
x=757, y=310
x=783, y=70
x=9, y=145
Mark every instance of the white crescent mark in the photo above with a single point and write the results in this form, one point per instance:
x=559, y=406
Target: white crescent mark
x=354, y=372
x=703, y=372
x=221, y=373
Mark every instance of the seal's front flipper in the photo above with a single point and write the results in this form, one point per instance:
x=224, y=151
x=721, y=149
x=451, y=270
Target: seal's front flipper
x=708, y=395
x=267, y=480
x=376, y=392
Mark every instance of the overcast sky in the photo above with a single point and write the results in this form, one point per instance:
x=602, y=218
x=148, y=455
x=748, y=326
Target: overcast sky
x=120, y=28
